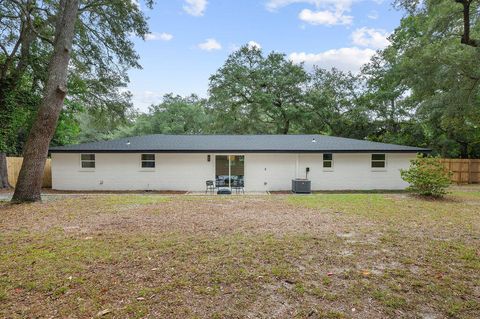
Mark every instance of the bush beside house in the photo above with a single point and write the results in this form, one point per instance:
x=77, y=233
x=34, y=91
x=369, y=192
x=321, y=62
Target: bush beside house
x=427, y=176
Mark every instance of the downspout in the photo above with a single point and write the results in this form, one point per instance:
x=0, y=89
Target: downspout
x=297, y=165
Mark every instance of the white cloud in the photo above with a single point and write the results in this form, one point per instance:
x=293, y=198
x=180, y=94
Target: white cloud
x=329, y=12
x=373, y=15
x=158, y=36
x=325, y=17
x=143, y=99
x=210, y=45
x=341, y=4
x=369, y=37
x=195, y=7
x=253, y=44
x=345, y=59
x=250, y=44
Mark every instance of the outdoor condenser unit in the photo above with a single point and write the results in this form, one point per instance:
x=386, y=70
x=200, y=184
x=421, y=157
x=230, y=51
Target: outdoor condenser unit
x=301, y=186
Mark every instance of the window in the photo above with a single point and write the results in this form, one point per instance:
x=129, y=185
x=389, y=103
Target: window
x=378, y=160
x=327, y=160
x=148, y=160
x=87, y=160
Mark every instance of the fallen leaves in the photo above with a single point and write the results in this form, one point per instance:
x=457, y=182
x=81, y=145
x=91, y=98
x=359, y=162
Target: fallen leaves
x=366, y=273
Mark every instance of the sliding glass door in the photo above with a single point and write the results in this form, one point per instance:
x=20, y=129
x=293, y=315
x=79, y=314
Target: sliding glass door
x=229, y=170
x=222, y=171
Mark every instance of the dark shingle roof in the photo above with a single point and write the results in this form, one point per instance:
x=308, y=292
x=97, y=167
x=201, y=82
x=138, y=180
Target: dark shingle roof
x=236, y=143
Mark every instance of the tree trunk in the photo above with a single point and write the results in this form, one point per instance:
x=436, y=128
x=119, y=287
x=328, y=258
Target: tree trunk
x=35, y=153
x=286, y=127
x=463, y=150
x=3, y=171
x=466, y=24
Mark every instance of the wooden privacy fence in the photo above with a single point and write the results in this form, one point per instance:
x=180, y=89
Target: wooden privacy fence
x=13, y=168
x=465, y=171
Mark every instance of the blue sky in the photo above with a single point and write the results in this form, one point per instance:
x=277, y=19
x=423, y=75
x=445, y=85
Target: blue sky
x=190, y=39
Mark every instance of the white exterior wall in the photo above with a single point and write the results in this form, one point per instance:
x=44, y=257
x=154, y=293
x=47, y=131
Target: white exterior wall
x=263, y=172
x=123, y=171
x=353, y=171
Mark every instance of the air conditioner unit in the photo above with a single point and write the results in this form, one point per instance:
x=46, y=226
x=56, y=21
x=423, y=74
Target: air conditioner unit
x=301, y=186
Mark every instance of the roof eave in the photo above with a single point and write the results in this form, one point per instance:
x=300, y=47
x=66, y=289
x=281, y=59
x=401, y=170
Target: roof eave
x=242, y=151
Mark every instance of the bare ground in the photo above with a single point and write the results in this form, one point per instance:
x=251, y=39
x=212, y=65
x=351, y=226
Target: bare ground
x=282, y=256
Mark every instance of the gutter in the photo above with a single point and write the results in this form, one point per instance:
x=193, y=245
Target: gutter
x=424, y=151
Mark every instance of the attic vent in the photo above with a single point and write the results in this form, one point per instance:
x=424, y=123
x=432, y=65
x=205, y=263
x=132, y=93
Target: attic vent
x=314, y=140
x=128, y=142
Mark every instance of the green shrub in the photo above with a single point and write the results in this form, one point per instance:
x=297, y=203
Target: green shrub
x=427, y=176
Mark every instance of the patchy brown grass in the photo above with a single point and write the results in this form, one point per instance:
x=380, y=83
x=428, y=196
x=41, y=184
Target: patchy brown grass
x=319, y=256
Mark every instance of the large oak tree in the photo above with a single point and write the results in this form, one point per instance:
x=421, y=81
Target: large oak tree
x=87, y=37
x=253, y=93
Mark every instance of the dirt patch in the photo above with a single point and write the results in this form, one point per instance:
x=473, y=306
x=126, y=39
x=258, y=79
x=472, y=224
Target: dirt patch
x=187, y=215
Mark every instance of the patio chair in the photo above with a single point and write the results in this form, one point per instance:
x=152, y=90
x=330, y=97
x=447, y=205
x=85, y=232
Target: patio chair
x=219, y=183
x=238, y=187
x=210, y=187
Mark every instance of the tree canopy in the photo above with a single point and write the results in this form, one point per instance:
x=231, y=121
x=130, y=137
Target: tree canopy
x=174, y=115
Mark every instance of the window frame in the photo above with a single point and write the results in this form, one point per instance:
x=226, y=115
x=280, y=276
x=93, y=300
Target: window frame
x=142, y=161
x=331, y=161
x=94, y=161
x=384, y=161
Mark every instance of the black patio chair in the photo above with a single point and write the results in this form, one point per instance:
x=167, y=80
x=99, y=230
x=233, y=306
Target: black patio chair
x=210, y=187
x=238, y=186
x=219, y=183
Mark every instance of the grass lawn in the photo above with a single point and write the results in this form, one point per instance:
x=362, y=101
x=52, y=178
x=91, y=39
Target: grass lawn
x=280, y=256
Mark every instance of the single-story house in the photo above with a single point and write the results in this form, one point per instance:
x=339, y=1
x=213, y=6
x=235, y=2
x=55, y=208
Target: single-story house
x=259, y=162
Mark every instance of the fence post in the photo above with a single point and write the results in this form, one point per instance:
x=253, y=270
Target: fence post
x=450, y=169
